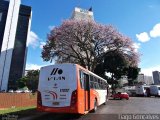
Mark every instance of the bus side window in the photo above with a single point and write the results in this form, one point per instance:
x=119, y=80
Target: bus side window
x=103, y=85
x=82, y=79
x=86, y=79
x=91, y=82
x=99, y=84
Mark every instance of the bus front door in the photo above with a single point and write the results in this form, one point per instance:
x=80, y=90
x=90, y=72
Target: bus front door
x=86, y=92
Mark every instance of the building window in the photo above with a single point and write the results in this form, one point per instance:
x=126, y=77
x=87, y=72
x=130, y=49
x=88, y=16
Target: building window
x=0, y=17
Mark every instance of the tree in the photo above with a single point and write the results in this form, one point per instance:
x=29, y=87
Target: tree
x=115, y=63
x=33, y=77
x=132, y=74
x=99, y=70
x=30, y=80
x=22, y=82
x=85, y=43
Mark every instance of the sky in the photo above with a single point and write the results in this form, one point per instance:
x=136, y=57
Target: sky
x=137, y=19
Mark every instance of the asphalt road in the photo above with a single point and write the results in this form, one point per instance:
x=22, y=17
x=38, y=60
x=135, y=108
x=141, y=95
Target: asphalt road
x=134, y=108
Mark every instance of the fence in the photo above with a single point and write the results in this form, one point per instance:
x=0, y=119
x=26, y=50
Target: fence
x=9, y=100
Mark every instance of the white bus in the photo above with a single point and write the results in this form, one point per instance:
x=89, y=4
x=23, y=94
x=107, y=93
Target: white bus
x=141, y=90
x=155, y=90
x=70, y=88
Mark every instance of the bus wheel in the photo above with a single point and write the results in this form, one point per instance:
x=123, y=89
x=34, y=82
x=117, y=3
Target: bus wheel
x=95, y=105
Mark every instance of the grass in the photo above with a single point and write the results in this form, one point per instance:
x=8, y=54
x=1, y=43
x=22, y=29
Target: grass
x=20, y=110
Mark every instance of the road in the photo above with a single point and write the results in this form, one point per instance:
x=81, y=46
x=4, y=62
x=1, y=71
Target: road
x=115, y=110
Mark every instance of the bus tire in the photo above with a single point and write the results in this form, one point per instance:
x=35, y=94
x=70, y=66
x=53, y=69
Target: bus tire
x=95, y=106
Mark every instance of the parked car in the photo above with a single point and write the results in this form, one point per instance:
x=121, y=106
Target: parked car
x=26, y=91
x=19, y=91
x=131, y=93
x=11, y=91
x=120, y=96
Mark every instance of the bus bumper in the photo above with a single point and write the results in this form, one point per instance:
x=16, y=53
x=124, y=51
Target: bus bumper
x=58, y=110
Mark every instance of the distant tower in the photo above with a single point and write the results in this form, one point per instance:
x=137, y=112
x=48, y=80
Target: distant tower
x=156, y=77
x=15, y=20
x=82, y=14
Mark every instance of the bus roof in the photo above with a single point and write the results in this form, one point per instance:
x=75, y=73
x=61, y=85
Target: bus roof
x=79, y=67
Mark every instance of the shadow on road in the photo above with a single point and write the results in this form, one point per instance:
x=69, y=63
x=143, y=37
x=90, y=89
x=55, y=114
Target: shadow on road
x=53, y=116
x=79, y=117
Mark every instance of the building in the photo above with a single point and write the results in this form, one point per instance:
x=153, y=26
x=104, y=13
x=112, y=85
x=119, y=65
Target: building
x=156, y=77
x=123, y=81
x=148, y=80
x=140, y=78
x=82, y=14
x=15, y=20
x=144, y=79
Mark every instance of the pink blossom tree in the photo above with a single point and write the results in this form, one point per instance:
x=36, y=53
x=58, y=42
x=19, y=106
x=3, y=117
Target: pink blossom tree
x=85, y=43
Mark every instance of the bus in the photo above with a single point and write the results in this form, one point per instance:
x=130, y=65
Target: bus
x=155, y=90
x=70, y=88
x=141, y=90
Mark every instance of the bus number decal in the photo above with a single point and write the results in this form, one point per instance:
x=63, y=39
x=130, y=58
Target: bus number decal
x=64, y=90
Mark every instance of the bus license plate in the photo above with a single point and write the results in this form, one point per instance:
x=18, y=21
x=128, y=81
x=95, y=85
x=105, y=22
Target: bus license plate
x=55, y=103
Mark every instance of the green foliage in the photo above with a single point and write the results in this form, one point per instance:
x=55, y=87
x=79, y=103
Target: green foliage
x=99, y=70
x=115, y=63
x=30, y=81
x=132, y=75
x=133, y=72
x=22, y=82
x=19, y=110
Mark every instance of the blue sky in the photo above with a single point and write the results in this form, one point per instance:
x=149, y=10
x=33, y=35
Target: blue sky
x=137, y=19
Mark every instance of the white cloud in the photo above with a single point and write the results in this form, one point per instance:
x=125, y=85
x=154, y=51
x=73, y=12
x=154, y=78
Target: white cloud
x=30, y=66
x=148, y=71
x=33, y=40
x=143, y=37
x=155, y=32
x=42, y=44
x=136, y=46
x=51, y=27
x=33, y=66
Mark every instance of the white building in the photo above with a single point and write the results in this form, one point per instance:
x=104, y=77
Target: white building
x=140, y=78
x=148, y=80
x=82, y=14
